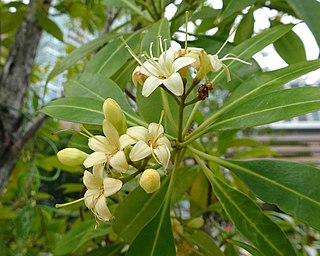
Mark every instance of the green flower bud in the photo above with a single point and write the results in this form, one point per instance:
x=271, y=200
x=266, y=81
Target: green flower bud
x=71, y=156
x=114, y=114
x=195, y=223
x=150, y=180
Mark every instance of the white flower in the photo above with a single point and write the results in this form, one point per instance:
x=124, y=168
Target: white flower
x=164, y=70
x=98, y=189
x=147, y=142
x=107, y=149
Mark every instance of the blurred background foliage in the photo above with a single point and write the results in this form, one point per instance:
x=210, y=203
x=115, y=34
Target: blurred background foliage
x=29, y=222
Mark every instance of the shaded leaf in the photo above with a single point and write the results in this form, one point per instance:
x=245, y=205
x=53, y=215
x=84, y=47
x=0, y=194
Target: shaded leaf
x=50, y=26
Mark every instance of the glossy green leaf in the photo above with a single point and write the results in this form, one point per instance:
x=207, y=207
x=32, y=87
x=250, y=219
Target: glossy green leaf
x=264, y=82
x=50, y=26
x=245, y=246
x=78, y=54
x=270, y=108
x=81, y=110
x=253, y=45
x=245, y=27
x=290, y=48
x=98, y=87
x=113, y=56
x=205, y=243
x=247, y=217
x=156, y=238
x=159, y=29
x=123, y=76
x=293, y=187
x=137, y=210
x=109, y=250
x=233, y=6
x=308, y=10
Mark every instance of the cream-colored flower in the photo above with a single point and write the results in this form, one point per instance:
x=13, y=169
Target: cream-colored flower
x=107, y=149
x=99, y=188
x=114, y=114
x=150, y=180
x=147, y=142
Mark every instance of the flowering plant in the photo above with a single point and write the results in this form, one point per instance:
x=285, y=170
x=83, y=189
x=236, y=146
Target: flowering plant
x=161, y=143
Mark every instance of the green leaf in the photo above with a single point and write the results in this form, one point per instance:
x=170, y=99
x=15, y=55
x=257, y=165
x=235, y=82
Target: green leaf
x=50, y=26
x=234, y=6
x=270, y=108
x=113, y=56
x=110, y=250
x=205, y=243
x=96, y=86
x=245, y=246
x=293, y=187
x=156, y=238
x=249, y=219
x=70, y=240
x=136, y=211
x=264, y=82
x=78, y=54
x=253, y=45
x=290, y=48
x=245, y=27
x=81, y=110
x=308, y=10
x=123, y=76
x=160, y=28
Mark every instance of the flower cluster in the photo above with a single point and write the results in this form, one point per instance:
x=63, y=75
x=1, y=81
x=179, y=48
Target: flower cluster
x=112, y=153
x=166, y=69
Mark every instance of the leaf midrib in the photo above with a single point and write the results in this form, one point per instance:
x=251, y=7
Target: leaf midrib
x=73, y=106
x=87, y=89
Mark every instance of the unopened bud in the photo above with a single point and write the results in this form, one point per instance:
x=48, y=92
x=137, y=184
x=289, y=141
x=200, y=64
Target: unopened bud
x=114, y=114
x=195, y=223
x=71, y=156
x=150, y=180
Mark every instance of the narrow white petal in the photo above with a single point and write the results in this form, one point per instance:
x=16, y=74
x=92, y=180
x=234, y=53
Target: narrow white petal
x=164, y=141
x=166, y=59
x=182, y=62
x=140, y=151
x=138, y=132
x=119, y=161
x=101, y=209
x=89, y=197
x=92, y=181
x=174, y=84
x=155, y=131
x=150, y=85
x=111, y=133
x=126, y=140
x=99, y=143
x=111, y=186
x=150, y=68
x=163, y=155
x=94, y=159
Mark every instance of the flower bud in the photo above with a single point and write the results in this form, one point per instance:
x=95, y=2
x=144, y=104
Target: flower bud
x=114, y=114
x=138, y=77
x=195, y=223
x=150, y=180
x=71, y=156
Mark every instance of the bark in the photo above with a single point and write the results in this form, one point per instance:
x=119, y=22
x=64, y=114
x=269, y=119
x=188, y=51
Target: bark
x=15, y=131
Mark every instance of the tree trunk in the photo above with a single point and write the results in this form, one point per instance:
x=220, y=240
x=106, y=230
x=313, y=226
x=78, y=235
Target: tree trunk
x=15, y=131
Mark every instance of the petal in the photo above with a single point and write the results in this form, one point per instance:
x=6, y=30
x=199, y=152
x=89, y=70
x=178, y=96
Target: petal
x=150, y=85
x=182, y=62
x=94, y=159
x=99, y=143
x=92, y=181
x=216, y=63
x=90, y=196
x=166, y=59
x=98, y=171
x=101, y=209
x=150, y=68
x=140, y=151
x=174, y=84
x=155, y=131
x=164, y=141
x=163, y=155
x=111, y=133
x=126, y=140
x=138, y=132
x=111, y=186
x=119, y=161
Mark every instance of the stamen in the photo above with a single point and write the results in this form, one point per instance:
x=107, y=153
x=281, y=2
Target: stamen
x=70, y=203
x=226, y=70
x=132, y=53
x=160, y=43
x=151, y=44
x=186, y=40
x=237, y=59
x=224, y=44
